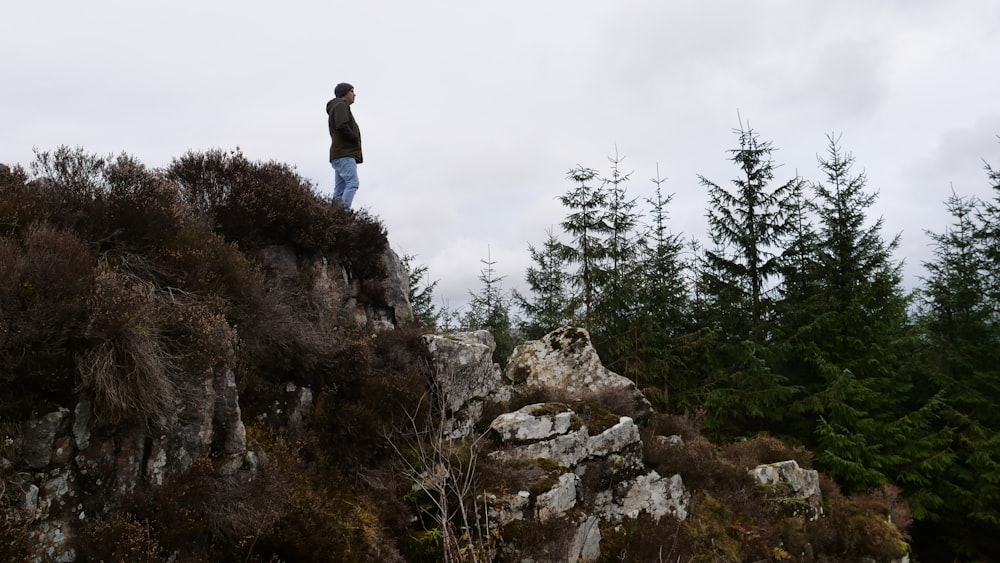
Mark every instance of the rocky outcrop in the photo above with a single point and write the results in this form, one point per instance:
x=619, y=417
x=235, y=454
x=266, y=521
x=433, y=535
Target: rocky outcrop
x=592, y=474
x=612, y=457
x=337, y=293
x=566, y=362
x=802, y=484
x=466, y=377
x=71, y=465
x=579, y=445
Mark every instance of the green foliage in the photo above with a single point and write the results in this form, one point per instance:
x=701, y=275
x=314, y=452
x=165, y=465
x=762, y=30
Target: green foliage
x=586, y=227
x=747, y=223
x=959, y=329
x=490, y=310
x=421, y=293
x=549, y=282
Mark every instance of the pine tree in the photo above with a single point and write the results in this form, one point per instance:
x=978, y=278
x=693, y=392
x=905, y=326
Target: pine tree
x=848, y=341
x=552, y=305
x=959, y=496
x=587, y=227
x=747, y=223
x=421, y=293
x=490, y=310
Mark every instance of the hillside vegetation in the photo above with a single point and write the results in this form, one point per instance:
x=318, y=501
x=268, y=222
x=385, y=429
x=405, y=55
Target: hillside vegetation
x=119, y=282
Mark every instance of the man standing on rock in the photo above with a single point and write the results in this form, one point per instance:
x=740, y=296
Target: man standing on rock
x=345, y=145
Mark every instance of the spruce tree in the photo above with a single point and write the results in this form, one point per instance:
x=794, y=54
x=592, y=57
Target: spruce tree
x=586, y=226
x=663, y=302
x=958, y=497
x=747, y=223
x=420, y=292
x=490, y=310
x=615, y=309
x=550, y=304
x=850, y=337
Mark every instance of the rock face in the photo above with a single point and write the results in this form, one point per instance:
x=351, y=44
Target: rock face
x=71, y=466
x=554, y=433
x=337, y=293
x=76, y=468
x=466, y=377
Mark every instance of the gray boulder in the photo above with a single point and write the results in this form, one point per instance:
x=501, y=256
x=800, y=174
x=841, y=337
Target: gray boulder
x=465, y=377
x=565, y=362
x=802, y=484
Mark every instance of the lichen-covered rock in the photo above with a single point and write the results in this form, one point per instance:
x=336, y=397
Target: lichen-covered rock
x=559, y=499
x=652, y=494
x=72, y=465
x=543, y=431
x=586, y=544
x=803, y=483
x=396, y=286
x=529, y=424
x=566, y=362
x=38, y=437
x=466, y=376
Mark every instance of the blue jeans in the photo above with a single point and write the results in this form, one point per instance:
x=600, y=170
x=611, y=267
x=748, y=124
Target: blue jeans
x=345, y=171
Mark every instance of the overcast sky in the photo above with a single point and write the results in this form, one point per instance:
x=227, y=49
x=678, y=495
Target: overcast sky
x=473, y=112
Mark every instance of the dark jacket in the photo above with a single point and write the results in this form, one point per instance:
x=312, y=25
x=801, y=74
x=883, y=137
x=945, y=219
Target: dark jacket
x=345, y=136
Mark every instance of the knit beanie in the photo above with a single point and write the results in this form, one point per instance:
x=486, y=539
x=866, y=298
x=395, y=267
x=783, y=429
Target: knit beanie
x=342, y=89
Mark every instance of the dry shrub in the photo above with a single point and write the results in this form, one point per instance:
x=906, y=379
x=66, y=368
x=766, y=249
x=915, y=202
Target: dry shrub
x=352, y=426
x=642, y=539
x=889, y=501
x=44, y=283
x=143, y=208
x=113, y=202
x=200, y=261
x=686, y=426
x=361, y=245
x=375, y=383
x=620, y=400
x=12, y=177
x=329, y=522
x=75, y=185
x=203, y=516
x=263, y=203
x=197, y=332
x=321, y=515
x=118, y=537
x=525, y=540
x=126, y=368
x=21, y=204
x=763, y=449
x=15, y=538
x=699, y=462
x=862, y=526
